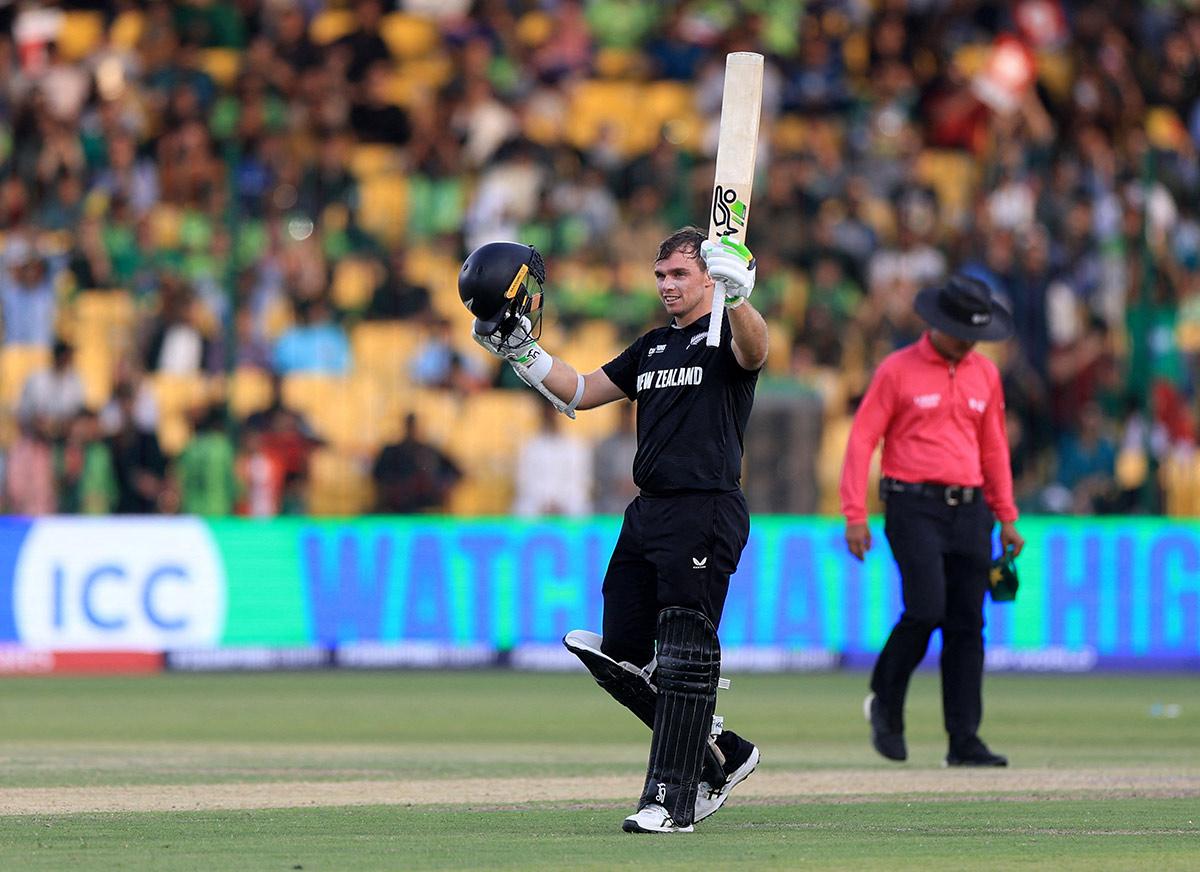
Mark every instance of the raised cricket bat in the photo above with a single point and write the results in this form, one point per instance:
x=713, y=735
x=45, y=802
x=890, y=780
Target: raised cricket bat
x=741, y=105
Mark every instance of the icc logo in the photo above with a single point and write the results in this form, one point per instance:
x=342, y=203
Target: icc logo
x=728, y=212
x=129, y=584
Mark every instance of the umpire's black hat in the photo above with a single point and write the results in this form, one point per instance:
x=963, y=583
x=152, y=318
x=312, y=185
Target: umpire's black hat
x=964, y=308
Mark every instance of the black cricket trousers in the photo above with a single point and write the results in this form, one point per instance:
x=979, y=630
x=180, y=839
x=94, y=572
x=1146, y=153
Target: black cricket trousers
x=673, y=550
x=944, y=556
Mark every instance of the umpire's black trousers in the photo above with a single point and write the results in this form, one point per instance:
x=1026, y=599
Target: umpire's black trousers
x=944, y=555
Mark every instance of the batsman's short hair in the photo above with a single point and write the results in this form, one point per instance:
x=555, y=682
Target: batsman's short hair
x=685, y=239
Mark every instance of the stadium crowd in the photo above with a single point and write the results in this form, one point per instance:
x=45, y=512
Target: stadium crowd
x=231, y=230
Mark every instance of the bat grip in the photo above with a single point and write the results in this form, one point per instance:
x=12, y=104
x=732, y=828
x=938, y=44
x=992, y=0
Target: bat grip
x=717, y=316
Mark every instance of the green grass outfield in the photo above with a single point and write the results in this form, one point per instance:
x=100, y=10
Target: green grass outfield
x=490, y=770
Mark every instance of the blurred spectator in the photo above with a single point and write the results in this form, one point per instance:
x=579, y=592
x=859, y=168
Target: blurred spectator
x=260, y=477
x=314, y=344
x=1087, y=464
x=29, y=471
x=139, y=464
x=438, y=363
x=27, y=295
x=395, y=297
x=89, y=483
x=204, y=471
x=51, y=398
x=412, y=475
x=374, y=117
x=288, y=440
x=613, y=462
x=360, y=49
x=175, y=345
x=554, y=472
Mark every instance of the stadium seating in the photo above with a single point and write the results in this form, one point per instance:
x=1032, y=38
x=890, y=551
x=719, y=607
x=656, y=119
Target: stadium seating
x=338, y=484
x=330, y=25
x=409, y=36
x=249, y=391
x=80, y=34
x=354, y=281
x=384, y=350
x=179, y=398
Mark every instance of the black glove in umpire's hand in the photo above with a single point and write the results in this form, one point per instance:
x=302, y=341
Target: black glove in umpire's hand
x=1003, y=578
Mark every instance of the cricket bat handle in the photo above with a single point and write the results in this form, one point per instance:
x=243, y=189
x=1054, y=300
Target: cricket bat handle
x=717, y=317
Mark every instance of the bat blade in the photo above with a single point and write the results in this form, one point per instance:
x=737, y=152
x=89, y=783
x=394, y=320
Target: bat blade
x=737, y=145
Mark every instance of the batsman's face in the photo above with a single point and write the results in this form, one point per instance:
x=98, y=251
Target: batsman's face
x=684, y=286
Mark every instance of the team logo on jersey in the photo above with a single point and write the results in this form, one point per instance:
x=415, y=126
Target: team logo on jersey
x=975, y=405
x=697, y=339
x=927, y=401
x=670, y=378
x=657, y=349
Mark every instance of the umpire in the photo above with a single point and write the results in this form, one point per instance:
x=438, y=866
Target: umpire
x=939, y=407
x=682, y=537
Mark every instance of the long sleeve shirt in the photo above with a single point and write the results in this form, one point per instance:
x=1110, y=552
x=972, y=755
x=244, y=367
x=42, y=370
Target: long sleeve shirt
x=940, y=422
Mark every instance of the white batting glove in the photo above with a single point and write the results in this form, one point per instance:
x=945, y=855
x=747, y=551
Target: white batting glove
x=520, y=349
x=732, y=265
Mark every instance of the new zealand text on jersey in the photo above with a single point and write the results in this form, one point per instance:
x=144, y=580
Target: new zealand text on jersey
x=670, y=378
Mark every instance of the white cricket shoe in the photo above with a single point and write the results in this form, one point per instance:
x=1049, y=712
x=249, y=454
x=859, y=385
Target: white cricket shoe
x=710, y=799
x=652, y=819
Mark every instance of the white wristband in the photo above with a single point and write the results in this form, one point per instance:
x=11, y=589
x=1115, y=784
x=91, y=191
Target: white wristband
x=574, y=404
x=537, y=364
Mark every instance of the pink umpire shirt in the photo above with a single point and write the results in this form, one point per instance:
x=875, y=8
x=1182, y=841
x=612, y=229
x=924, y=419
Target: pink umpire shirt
x=940, y=422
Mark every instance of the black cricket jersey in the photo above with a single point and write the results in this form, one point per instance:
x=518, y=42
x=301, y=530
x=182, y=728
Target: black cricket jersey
x=693, y=403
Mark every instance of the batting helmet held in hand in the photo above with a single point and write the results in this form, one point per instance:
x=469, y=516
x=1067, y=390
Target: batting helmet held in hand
x=496, y=283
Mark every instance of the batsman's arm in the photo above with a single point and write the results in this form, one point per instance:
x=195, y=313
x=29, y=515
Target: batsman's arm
x=563, y=381
x=750, y=343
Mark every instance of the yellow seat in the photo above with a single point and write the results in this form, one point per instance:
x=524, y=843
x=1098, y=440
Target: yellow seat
x=954, y=176
x=593, y=344
x=789, y=133
x=383, y=209
x=384, y=349
x=330, y=25
x=179, y=398
x=96, y=364
x=80, y=35
x=372, y=159
x=223, y=64
x=354, y=281
x=180, y=393
x=598, y=106
x=338, y=484
x=419, y=79
x=250, y=391
x=359, y=416
x=409, y=36
x=667, y=99
x=174, y=432
x=473, y=497
x=17, y=363
x=126, y=30
x=102, y=318
x=436, y=411
x=307, y=392
x=616, y=63
x=779, y=352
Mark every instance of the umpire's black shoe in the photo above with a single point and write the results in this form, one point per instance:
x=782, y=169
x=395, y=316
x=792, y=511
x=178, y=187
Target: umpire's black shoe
x=887, y=740
x=972, y=752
